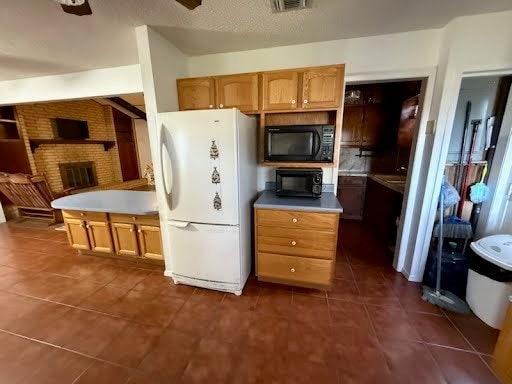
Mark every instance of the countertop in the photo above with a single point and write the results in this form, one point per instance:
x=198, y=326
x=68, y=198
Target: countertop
x=327, y=203
x=127, y=202
x=394, y=182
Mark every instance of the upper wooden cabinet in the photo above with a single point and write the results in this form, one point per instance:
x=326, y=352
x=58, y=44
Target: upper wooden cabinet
x=280, y=90
x=198, y=93
x=286, y=90
x=238, y=91
x=352, y=130
x=322, y=87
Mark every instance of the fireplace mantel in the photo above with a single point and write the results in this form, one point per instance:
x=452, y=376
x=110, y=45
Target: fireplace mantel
x=35, y=143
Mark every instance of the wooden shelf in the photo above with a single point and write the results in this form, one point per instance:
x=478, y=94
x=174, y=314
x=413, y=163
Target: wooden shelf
x=35, y=143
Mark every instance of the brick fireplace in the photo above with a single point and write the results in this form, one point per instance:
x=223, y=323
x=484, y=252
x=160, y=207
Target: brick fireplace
x=78, y=175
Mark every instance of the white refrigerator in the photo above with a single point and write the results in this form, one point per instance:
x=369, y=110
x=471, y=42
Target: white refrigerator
x=208, y=167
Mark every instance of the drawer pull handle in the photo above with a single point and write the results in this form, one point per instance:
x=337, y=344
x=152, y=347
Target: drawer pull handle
x=131, y=229
x=134, y=218
x=293, y=101
x=81, y=225
x=87, y=226
x=82, y=214
x=140, y=231
x=294, y=220
x=294, y=243
x=292, y=270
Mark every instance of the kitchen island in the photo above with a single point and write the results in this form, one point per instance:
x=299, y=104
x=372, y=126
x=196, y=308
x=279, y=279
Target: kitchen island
x=296, y=239
x=122, y=224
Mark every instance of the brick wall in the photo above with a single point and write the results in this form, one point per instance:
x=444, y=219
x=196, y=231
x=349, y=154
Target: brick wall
x=35, y=121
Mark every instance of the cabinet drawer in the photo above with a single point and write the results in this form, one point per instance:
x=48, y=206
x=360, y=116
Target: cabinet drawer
x=297, y=219
x=82, y=215
x=351, y=180
x=135, y=219
x=295, y=269
x=296, y=242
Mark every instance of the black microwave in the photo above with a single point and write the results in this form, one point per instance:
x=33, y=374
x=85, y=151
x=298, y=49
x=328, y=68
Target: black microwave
x=299, y=143
x=297, y=182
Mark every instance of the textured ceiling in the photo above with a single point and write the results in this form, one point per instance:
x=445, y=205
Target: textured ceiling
x=37, y=38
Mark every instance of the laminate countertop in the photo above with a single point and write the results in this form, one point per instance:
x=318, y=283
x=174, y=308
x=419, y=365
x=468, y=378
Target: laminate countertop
x=126, y=202
x=326, y=203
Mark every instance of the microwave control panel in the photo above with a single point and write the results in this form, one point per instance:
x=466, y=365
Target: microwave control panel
x=327, y=143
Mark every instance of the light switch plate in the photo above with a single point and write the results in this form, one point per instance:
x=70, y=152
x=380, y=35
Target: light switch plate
x=431, y=127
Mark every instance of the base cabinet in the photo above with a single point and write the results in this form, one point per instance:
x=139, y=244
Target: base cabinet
x=296, y=247
x=77, y=234
x=115, y=234
x=150, y=242
x=503, y=352
x=100, y=238
x=125, y=239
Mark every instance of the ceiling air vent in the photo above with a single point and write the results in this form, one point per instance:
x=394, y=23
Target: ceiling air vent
x=288, y=5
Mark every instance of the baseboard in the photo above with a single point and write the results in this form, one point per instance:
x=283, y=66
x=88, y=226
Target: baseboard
x=167, y=273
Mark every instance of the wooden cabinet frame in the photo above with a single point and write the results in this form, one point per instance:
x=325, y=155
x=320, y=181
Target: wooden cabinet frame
x=115, y=234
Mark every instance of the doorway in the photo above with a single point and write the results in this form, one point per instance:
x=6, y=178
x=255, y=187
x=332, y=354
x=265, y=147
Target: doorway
x=380, y=129
x=126, y=145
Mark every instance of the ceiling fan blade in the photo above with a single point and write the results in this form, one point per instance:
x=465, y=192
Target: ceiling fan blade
x=190, y=4
x=78, y=10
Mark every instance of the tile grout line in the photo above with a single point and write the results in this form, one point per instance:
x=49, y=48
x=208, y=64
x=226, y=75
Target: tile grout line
x=458, y=330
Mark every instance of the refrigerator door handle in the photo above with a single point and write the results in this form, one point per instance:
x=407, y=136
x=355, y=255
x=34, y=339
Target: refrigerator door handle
x=164, y=148
x=178, y=224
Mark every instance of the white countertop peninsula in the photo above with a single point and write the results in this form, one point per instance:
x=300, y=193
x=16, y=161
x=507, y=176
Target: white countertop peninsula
x=124, y=202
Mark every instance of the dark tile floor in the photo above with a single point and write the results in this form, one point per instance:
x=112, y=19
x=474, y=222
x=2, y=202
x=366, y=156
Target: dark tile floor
x=66, y=318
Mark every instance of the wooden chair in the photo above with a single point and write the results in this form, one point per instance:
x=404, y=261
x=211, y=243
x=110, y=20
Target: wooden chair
x=31, y=195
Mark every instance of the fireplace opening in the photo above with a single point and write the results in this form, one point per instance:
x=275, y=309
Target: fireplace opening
x=78, y=175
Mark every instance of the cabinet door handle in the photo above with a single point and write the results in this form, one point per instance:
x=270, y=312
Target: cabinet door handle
x=221, y=105
x=305, y=101
x=293, y=101
x=211, y=106
x=134, y=218
x=292, y=270
x=82, y=214
x=294, y=243
x=81, y=225
x=87, y=226
x=140, y=231
x=294, y=220
x=131, y=229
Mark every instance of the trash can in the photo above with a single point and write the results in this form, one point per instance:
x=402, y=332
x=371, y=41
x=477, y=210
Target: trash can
x=490, y=278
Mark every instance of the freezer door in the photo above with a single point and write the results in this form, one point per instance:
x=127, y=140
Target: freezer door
x=206, y=252
x=200, y=166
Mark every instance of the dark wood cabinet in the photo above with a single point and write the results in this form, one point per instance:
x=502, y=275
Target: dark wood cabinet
x=374, y=123
x=382, y=207
x=364, y=119
x=351, y=193
x=352, y=130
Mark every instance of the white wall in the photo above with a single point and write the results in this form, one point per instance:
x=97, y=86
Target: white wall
x=362, y=55
x=161, y=64
x=143, y=148
x=80, y=85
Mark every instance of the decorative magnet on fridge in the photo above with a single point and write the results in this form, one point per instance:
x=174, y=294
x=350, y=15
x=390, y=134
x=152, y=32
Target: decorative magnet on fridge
x=217, y=202
x=215, y=176
x=214, y=151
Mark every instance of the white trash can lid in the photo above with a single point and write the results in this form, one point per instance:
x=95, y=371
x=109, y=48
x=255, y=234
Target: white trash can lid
x=496, y=249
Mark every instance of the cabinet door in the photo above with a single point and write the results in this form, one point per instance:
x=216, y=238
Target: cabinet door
x=503, y=351
x=351, y=198
x=196, y=93
x=280, y=90
x=373, y=125
x=77, y=234
x=150, y=241
x=100, y=237
x=125, y=239
x=238, y=91
x=352, y=129
x=321, y=87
